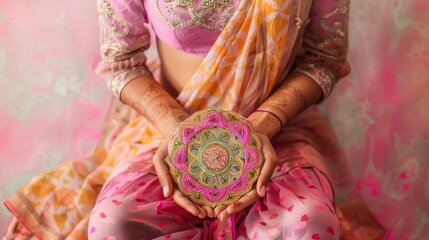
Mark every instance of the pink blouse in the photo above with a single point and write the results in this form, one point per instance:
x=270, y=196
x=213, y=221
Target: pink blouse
x=189, y=25
x=194, y=25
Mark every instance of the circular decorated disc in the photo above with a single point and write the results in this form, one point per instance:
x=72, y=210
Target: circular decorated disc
x=214, y=157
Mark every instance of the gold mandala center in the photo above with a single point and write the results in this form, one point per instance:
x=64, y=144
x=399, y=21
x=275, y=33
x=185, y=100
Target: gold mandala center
x=215, y=157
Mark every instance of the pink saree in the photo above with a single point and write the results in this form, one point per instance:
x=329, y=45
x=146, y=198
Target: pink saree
x=250, y=58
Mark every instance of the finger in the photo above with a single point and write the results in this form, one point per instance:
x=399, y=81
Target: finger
x=209, y=211
x=219, y=209
x=268, y=167
x=223, y=215
x=162, y=169
x=185, y=203
x=247, y=200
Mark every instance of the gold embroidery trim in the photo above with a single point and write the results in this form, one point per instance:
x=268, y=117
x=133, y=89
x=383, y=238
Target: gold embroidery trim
x=123, y=77
x=105, y=11
x=322, y=76
x=340, y=38
x=198, y=17
x=341, y=7
x=108, y=38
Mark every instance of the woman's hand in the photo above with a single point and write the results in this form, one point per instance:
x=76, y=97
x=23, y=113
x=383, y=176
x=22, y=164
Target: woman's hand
x=223, y=211
x=270, y=163
x=168, y=188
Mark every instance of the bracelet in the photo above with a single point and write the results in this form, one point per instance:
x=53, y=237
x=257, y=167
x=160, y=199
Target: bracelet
x=123, y=78
x=322, y=76
x=274, y=115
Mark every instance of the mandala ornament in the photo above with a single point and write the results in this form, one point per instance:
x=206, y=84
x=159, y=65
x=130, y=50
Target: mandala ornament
x=214, y=157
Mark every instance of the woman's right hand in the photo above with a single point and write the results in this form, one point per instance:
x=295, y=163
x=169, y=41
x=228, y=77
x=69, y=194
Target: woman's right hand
x=259, y=190
x=169, y=188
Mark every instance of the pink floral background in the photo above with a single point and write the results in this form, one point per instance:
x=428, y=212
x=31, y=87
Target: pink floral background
x=52, y=106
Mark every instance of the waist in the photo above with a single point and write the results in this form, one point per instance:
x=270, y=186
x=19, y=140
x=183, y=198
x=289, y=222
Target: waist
x=177, y=67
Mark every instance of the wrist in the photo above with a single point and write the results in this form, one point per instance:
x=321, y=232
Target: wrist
x=168, y=125
x=150, y=99
x=266, y=122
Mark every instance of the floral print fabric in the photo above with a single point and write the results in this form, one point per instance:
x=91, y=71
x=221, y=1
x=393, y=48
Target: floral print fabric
x=379, y=111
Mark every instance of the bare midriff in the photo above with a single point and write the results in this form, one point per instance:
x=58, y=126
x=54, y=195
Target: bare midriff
x=177, y=67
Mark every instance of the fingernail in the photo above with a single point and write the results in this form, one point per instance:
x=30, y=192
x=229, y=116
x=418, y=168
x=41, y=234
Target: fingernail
x=195, y=211
x=165, y=191
x=263, y=191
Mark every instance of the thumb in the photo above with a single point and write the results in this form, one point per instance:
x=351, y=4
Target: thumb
x=270, y=163
x=162, y=169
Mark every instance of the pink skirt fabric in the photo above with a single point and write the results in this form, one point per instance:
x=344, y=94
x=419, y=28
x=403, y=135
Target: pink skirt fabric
x=298, y=205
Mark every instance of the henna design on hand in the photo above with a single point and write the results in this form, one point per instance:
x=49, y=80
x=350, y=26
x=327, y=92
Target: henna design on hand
x=160, y=109
x=265, y=123
x=137, y=102
x=278, y=100
x=286, y=96
x=176, y=111
x=142, y=98
x=300, y=101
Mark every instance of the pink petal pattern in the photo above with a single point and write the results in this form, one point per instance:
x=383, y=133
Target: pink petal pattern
x=206, y=134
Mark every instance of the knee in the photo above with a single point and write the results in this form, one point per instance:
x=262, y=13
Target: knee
x=113, y=219
x=313, y=223
x=297, y=222
x=105, y=218
x=124, y=219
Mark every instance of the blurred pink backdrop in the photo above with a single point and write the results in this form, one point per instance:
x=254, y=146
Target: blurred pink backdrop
x=52, y=106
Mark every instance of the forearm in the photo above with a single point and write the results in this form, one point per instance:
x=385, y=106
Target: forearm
x=296, y=94
x=150, y=99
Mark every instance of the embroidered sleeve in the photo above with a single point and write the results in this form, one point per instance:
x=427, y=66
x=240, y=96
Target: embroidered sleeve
x=325, y=43
x=123, y=39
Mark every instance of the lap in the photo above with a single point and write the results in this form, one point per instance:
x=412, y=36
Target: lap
x=298, y=205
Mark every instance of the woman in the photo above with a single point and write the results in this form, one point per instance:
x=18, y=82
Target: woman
x=246, y=56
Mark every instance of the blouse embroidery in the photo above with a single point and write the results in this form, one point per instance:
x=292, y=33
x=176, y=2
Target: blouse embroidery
x=105, y=10
x=340, y=39
x=114, y=28
x=209, y=14
x=321, y=75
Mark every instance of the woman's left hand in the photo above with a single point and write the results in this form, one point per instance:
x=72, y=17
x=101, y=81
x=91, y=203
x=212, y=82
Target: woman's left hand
x=270, y=163
x=163, y=173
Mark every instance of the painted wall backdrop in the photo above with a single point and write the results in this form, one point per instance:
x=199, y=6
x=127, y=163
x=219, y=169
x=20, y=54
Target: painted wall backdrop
x=52, y=106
